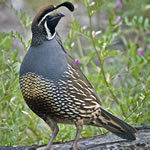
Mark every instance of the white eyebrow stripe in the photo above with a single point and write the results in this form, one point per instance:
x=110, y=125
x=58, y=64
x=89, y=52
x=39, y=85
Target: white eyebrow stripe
x=45, y=17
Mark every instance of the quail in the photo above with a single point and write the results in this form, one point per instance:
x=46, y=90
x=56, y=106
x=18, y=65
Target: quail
x=55, y=88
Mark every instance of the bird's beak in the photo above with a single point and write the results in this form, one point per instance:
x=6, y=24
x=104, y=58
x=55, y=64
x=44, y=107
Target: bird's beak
x=60, y=15
x=57, y=16
x=53, y=21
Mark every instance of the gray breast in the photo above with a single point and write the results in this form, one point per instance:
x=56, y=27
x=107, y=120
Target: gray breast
x=47, y=59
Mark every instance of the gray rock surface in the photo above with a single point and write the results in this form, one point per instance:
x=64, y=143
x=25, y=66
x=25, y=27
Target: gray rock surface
x=108, y=142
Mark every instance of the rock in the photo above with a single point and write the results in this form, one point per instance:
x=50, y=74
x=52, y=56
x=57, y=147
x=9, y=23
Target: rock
x=107, y=142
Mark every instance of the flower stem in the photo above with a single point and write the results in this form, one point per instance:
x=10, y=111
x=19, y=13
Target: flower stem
x=102, y=67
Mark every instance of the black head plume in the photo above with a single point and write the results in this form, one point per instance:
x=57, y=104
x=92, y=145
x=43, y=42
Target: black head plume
x=45, y=22
x=67, y=5
x=50, y=8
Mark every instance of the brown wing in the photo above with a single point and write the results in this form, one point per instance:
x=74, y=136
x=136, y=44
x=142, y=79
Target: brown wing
x=83, y=89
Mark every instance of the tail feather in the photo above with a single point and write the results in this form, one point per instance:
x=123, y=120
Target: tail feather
x=116, y=126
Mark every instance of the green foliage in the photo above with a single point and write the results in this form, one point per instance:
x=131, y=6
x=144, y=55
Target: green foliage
x=120, y=76
x=23, y=18
x=2, y=1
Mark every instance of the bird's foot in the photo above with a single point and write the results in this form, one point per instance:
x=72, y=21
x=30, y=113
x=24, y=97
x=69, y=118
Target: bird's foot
x=48, y=148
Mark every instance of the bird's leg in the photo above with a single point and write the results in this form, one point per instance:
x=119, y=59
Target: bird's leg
x=54, y=128
x=79, y=127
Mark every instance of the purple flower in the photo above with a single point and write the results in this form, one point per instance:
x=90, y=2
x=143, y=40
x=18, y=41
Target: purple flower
x=140, y=52
x=118, y=19
x=119, y=3
x=77, y=61
x=141, y=74
x=143, y=86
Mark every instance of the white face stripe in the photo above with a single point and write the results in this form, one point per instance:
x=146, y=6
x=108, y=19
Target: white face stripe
x=49, y=35
x=45, y=17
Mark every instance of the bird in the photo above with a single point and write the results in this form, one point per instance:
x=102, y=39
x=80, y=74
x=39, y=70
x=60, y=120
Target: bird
x=54, y=87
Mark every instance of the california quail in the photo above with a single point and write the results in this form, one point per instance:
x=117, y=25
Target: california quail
x=54, y=87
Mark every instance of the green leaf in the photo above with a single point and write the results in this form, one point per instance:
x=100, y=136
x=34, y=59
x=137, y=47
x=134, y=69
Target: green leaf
x=2, y=1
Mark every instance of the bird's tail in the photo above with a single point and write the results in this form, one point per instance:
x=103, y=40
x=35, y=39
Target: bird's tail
x=115, y=125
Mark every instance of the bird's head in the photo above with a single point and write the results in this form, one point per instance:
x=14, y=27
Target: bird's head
x=46, y=20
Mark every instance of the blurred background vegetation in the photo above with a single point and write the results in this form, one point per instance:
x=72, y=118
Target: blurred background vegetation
x=110, y=39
